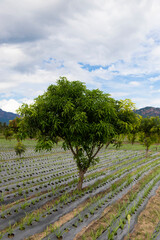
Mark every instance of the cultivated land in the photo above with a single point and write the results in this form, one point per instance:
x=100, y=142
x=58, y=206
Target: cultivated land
x=39, y=200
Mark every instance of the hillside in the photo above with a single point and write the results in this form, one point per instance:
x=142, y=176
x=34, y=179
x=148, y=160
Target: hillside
x=148, y=112
x=144, y=112
x=6, y=116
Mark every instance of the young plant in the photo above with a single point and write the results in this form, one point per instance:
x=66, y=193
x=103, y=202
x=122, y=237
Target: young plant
x=75, y=224
x=131, y=197
x=23, y=206
x=21, y=226
x=80, y=218
x=58, y=232
x=113, y=187
x=110, y=235
x=86, y=215
x=3, y=215
x=48, y=208
x=30, y=219
x=37, y=217
x=92, y=210
x=133, y=208
x=121, y=224
x=33, y=201
x=100, y=204
x=20, y=191
x=99, y=231
x=10, y=231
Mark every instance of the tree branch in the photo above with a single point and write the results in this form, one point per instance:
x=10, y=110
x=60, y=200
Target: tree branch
x=72, y=149
x=76, y=150
x=93, y=146
x=99, y=148
x=107, y=144
x=89, y=153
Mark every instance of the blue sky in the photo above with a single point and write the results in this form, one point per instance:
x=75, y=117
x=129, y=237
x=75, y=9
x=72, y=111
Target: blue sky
x=112, y=45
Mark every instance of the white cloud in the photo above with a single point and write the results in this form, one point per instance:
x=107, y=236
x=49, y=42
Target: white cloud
x=9, y=105
x=12, y=105
x=144, y=101
x=47, y=39
x=7, y=85
x=134, y=84
x=118, y=95
x=154, y=79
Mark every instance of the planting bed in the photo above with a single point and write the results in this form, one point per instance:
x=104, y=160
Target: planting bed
x=39, y=200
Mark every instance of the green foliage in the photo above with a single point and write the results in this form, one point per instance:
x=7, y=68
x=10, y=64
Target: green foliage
x=132, y=136
x=3, y=126
x=84, y=119
x=127, y=105
x=149, y=131
x=17, y=128
x=19, y=148
x=117, y=143
x=8, y=133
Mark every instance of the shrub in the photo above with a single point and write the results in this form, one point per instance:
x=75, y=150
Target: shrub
x=19, y=148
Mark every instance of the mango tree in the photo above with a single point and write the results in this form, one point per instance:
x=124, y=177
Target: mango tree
x=84, y=119
x=149, y=128
x=19, y=148
x=8, y=133
x=133, y=134
x=17, y=129
x=156, y=130
x=18, y=132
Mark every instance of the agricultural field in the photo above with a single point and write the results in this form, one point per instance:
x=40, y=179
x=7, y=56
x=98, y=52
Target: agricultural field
x=39, y=200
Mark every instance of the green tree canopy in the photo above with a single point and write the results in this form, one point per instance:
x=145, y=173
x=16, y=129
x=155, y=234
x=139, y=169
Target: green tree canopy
x=85, y=120
x=133, y=134
x=19, y=148
x=17, y=129
x=8, y=133
x=149, y=131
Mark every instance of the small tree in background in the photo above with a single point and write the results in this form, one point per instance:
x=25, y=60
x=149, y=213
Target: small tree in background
x=20, y=148
x=148, y=131
x=18, y=131
x=84, y=119
x=156, y=130
x=3, y=127
x=133, y=134
x=8, y=133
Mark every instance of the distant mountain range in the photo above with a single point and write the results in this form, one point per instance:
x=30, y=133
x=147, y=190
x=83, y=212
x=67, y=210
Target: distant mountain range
x=148, y=112
x=144, y=112
x=6, y=116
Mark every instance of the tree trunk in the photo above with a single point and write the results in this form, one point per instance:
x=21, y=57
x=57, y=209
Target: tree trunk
x=81, y=177
x=107, y=144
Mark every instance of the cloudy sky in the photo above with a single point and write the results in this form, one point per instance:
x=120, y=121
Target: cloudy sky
x=113, y=45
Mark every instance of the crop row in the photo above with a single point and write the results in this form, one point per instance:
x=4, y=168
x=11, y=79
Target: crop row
x=30, y=204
